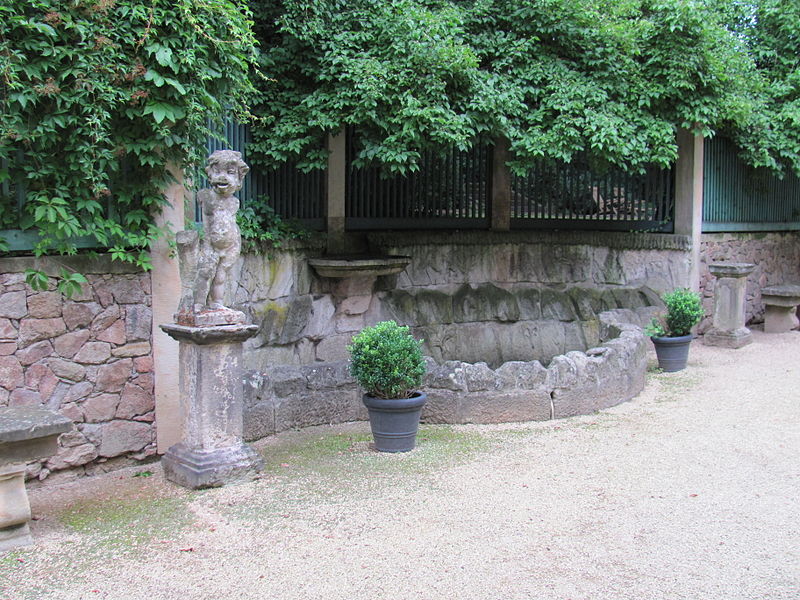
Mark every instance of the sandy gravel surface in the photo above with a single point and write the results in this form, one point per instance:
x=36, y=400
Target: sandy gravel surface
x=692, y=490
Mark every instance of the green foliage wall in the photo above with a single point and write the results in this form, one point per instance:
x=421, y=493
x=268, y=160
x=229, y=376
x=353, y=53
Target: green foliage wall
x=98, y=96
x=556, y=77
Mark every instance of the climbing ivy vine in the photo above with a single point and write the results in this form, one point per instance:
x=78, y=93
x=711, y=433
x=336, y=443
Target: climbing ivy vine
x=98, y=97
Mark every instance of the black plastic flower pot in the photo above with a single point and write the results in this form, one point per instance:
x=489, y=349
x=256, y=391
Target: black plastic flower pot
x=672, y=352
x=395, y=421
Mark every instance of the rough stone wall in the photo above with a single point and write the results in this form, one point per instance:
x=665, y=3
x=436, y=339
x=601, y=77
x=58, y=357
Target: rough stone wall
x=775, y=255
x=88, y=357
x=472, y=296
x=286, y=397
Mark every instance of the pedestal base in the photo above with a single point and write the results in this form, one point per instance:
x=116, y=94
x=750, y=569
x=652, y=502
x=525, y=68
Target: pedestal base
x=780, y=319
x=728, y=339
x=197, y=469
x=15, y=537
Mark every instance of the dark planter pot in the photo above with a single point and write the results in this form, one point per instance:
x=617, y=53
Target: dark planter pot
x=672, y=352
x=394, y=422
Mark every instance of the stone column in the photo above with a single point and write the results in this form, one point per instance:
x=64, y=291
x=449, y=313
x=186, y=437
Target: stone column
x=689, y=198
x=729, y=330
x=166, y=286
x=337, y=173
x=26, y=434
x=211, y=452
x=501, y=187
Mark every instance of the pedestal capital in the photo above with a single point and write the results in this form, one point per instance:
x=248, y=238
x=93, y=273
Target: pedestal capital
x=726, y=269
x=203, y=336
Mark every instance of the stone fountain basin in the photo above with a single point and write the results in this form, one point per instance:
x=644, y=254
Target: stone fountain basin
x=577, y=382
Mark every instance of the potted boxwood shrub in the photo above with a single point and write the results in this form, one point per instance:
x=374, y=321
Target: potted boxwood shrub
x=672, y=333
x=387, y=362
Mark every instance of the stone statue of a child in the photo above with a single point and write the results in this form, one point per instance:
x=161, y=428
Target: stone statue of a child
x=205, y=262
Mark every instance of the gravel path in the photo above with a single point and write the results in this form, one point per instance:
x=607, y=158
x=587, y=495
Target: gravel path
x=692, y=490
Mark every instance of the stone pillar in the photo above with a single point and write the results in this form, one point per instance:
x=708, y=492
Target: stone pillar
x=501, y=187
x=730, y=289
x=26, y=434
x=337, y=166
x=166, y=286
x=689, y=198
x=211, y=452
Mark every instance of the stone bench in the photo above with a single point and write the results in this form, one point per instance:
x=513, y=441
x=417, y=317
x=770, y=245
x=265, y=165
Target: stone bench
x=781, y=307
x=26, y=434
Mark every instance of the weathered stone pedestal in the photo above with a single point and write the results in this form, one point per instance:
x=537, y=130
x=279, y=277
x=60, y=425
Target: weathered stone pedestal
x=781, y=308
x=729, y=330
x=26, y=434
x=211, y=452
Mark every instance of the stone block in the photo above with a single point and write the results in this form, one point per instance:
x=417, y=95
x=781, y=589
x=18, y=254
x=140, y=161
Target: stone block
x=24, y=397
x=138, y=322
x=523, y=375
x=11, y=374
x=334, y=348
x=79, y=314
x=486, y=302
x=565, y=264
x=557, y=305
x=93, y=353
x=286, y=380
x=126, y=290
x=112, y=377
x=67, y=345
x=8, y=348
x=320, y=323
x=282, y=276
x=78, y=391
x=134, y=402
x=72, y=457
x=13, y=305
x=104, y=319
x=39, y=377
x=349, y=323
x=35, y=352
x=320, y=408
x=450, y=375
x=529, y=303
x=34, y=330
x=259, y=420
x=114, y=334
x=66, y=369
x=7, y=330
x=142, y=364
x=100, y=408
x=119, y=437
x=44, y=305
x=356, y=305
x=71, y=439
x=146, y=381
x=133, y=349
x=479, y=377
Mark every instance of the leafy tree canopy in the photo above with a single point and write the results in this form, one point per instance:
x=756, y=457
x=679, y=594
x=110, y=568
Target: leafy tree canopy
x=615, y=78
x=98, y=96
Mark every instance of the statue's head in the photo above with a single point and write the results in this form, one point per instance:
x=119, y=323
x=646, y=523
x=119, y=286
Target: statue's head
x=226, y=170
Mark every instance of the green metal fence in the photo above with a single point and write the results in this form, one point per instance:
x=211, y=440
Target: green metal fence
x=290, y=192
x=737, y=197
x=556, y=195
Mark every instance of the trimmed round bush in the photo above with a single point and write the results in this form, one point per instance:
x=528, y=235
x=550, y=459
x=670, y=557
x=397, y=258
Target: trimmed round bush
x=386, y=360
x=684, y=311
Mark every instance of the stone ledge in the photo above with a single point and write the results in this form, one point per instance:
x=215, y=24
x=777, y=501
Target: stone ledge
x=100, y=264
x=615, y=240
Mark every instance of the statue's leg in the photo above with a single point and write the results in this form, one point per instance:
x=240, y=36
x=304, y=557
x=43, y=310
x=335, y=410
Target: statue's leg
x=205, y=273
x=217, y=292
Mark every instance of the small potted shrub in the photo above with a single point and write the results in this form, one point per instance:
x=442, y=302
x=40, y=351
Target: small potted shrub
x=672, y=333
x=387, y=362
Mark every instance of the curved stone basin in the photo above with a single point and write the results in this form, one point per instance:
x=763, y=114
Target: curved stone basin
x=574, y=383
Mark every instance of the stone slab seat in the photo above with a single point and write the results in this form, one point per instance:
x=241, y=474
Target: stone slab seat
x=26, y=434
x=781, y=303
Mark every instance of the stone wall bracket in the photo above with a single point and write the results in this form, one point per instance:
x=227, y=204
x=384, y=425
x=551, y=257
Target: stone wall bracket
x=342, y=267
